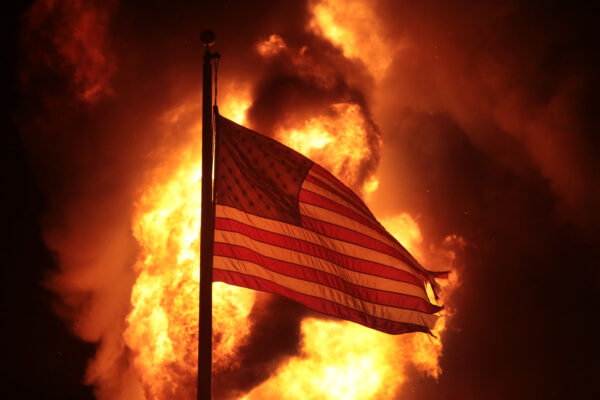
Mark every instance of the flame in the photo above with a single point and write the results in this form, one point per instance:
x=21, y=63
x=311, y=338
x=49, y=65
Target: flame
x=270, y=47
x=404, y=228
x=235, y=101
x=158, y=344
x=162, y=325
x=425, y=350
x=339, y=360
x=369, y=187
x=338, y=141
x=334, y=353
x=355, y=28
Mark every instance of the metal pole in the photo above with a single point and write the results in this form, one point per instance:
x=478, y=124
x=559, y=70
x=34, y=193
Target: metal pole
x=206, y=229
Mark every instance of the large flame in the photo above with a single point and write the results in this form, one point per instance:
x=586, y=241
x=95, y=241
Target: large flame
x=158, y=345
x=162, y=326
x=354, y=27
x=337, y=140
x=342, y=360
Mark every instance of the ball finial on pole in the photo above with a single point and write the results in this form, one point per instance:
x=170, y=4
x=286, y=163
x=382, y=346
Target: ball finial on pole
x=207, y=37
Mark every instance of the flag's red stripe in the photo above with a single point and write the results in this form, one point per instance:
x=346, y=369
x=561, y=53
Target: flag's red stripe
x=306, y=273
x=343, y=196
x=287, y=242
x=315, y=199
x=324, y=306
x=348, y=235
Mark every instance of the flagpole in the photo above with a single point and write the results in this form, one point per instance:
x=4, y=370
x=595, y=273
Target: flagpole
x=206, y=228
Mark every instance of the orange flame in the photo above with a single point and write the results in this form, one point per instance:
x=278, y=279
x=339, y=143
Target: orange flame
x=339, y=360
x=273, y=45
x=334, y=353
x=354, y=27
x=338, y=141
x=162, y=326
x=159, y=342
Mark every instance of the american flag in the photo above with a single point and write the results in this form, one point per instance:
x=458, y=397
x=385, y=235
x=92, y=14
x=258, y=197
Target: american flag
x=285, y=225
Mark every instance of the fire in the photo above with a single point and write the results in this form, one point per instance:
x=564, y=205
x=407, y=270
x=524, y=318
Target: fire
x=334, y=353
x=424, y=351
x=353, y=26
x=337, y=140
x=162, y=326
x=406, y=230
x=342, y=360
x=370, y=186
x=235, y=101
x=154, y=356
x=339, y=360
x=273, y=45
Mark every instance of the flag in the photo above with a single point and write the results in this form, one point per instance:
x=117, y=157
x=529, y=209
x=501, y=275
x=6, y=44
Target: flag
x=285, y=225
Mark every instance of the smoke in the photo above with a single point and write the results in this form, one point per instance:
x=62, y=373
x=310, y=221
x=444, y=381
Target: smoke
x=487, y=115
x=71, y=37
x=275, y=336
x=514, y=78
x=488, y=135
x=97, y=78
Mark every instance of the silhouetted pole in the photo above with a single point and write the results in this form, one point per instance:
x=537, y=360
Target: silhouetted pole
x=207, y=228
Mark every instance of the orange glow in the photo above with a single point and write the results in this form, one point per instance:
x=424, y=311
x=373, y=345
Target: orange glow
x=406, y=230
x=156, y=348
x=425, y=351
x=273, y=45
x=334, y=353
x=371, y=185
x=339, y=360
x=337, y=140
x=162, y=325
x=353, y=26
x=148, y=339
x=234, y=100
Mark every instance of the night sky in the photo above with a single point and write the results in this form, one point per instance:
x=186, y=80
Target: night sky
x=489, y=121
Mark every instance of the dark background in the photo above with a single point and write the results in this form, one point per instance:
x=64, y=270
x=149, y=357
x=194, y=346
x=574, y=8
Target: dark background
x=41, y=360
x=526, y=313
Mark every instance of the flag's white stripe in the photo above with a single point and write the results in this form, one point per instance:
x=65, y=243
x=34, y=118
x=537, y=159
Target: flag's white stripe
x=326, y=293
x=297, y=232
x=292, y=256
